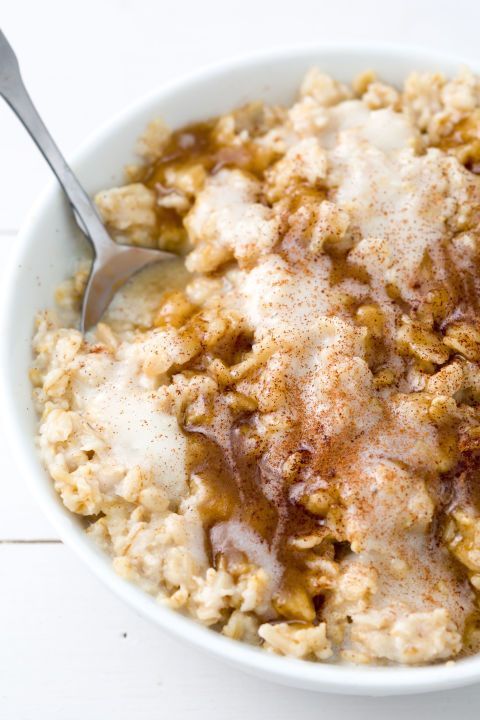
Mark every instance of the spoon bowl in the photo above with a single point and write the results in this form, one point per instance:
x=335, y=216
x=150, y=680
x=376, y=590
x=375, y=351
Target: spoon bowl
x=109, y=271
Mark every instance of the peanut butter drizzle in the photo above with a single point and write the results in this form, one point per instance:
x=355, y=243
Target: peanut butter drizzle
x=244, y=481
x=198, y=143
x=240, y=488
x=249, y=486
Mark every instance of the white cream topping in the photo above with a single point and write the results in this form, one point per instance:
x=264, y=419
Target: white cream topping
x=121, y=407
x=399, y=203
x=230, y=218
x=278, y=300
x=383, y=129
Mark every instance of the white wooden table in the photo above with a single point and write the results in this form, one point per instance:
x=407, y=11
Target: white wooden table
x=69, y=650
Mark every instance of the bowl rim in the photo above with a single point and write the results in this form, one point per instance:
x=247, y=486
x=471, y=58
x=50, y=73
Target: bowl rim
x=285, y=670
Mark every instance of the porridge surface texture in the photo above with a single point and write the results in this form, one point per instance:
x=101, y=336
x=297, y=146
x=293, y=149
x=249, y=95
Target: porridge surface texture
x=278, y=434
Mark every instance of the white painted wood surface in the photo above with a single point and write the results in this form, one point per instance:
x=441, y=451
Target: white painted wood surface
x=68, y=649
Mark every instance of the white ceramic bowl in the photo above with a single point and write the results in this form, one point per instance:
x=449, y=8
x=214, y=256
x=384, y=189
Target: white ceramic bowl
x=44, y=255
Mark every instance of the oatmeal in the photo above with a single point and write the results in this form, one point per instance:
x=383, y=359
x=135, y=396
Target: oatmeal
x=278, y=434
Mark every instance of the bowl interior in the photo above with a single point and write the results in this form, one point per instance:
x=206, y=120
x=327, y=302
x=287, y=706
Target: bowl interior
x=47, y=249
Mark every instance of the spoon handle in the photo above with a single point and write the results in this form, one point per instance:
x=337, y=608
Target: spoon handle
x=14, y=92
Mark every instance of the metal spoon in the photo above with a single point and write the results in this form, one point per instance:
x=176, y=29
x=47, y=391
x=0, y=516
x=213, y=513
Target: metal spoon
x=113, y=263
